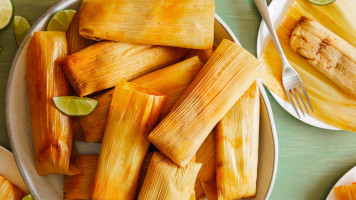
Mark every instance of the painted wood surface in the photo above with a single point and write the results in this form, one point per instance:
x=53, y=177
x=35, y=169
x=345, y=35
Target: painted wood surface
x=311, y=160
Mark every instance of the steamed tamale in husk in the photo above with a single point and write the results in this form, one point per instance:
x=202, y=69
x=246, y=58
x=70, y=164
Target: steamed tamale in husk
x=144, y=169
x=346, y=192
x=204, y=155
x=52, y=131
x=327, y=52
x=325, y=96
x=203, y=54
x=74, y=40
x=133, y=113
x=188, y=23
x=166, y=180
x=237, y=136
x=208, y=180
x=78, y=133
x=171, y=81
x=9, y=191
x=79, y=186
x=225, y=77
x=102, y=65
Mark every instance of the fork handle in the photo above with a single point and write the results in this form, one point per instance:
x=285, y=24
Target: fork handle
x=262, y=7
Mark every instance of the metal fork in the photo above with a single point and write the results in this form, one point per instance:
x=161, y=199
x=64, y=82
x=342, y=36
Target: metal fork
x=292, y=82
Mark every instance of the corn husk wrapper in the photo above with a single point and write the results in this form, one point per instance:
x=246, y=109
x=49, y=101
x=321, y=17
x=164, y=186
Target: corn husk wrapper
x=133, y=113
x=187, y=24
x=203, y=54
x=9, y=191
x=52, y=131
x=237, y=136
x=325, y=96
x=208, y=180
x=225, y=77
x=165, y=180
x=204, y=155
x=346, y=192
x=171, y=81
x=74, y=40
x=103, y=64
x=78, y=133
x=79, y=186
x=144, y=169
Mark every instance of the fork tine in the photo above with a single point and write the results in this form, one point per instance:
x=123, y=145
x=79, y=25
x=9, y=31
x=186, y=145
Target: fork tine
x=291, y=102
x=297, y=100
x=306, y=97
x=301, y=99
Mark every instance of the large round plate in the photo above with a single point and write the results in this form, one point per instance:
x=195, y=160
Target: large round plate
x=347, y=179
x=277, y=10
x=51, y=187
x=9, y=170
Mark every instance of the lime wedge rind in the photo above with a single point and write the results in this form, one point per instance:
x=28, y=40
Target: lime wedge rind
x=6, y=12
x=21, y=28
x=321, y=2
x=28, y=197
x=75, y=106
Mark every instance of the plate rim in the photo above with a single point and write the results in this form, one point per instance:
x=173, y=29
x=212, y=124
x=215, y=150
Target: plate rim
x=11, y=158
x=352, y=171
x=284, y=104
x=62, y=3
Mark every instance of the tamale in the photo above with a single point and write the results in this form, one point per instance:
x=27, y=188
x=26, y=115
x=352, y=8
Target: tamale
x=133, y=113
x=237, y=136
x=79, y=186
x=144, y=169
x=230, y=71
x=9, y=191
x=78, y=134
x=165, y=180
x=75, y=41
x=203, y=54
x=93, y=125
x=327, y=52
x=205, y=154
x=346, y=192
x=187, y=24
x=171, y=81
x=52, y=131
x=102, y=65
x=208, y=181
x=339, y=17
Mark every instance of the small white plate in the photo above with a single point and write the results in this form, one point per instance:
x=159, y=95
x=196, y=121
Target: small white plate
x=347, y=179
x=277, y=10
x=9, y=170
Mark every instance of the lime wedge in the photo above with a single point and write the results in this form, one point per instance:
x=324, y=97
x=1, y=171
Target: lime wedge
x=321, y=2
x=75, y=106
x=28, y=197
x=60, y=20
x=21, y=27
x=5, y=13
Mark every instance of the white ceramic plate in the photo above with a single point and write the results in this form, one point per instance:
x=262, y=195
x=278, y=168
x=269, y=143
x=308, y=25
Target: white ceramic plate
x=277, y=10
x=347, y=179
x=51, y=187
x=9, y=170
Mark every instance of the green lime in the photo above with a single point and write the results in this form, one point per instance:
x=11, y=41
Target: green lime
x=28, y=197
x=321, y=2
x=60, y=20
x=21, y=27
x=75, y=106
x=5, y=13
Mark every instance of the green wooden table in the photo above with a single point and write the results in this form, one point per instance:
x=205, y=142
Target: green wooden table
x=311, y=160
